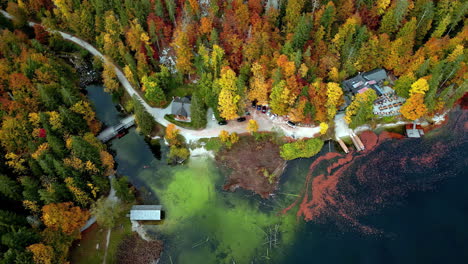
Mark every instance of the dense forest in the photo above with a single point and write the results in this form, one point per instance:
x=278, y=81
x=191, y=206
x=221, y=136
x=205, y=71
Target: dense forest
x=52, y=167
x=291, y=55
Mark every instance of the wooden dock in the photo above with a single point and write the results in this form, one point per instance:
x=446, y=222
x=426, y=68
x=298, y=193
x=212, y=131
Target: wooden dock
x=343, y=145
x=356, y=141
x=359, y=141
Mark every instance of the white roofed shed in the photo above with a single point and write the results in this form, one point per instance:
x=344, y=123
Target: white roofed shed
x=145, y=212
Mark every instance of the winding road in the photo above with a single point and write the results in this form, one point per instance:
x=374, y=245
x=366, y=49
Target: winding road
x=212, y=129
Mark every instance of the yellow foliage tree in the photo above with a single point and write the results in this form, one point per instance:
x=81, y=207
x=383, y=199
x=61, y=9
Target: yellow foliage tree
x=74, y=162
x=109, y=78
x=90, y=167
x=68, y=142
x=382, y=5
x=419, y=87
x=303, y=70
x=252, y=127
x=55, y=120
x=224, y=136
x=258, y=85
x=80, y=196
x=183, y=51
x=414, y=107
x=323, y=128
x=40, y=150
x=334, y=98
x=233, y=138
x=228, y=98
x=31, y=205
x=15, y=162
x=107, y=161
x=85, y=109
x=42, y=254
x=34, y=119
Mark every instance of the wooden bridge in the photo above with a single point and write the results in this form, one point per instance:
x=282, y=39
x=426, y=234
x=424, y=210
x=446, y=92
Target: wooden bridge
x=113, y=131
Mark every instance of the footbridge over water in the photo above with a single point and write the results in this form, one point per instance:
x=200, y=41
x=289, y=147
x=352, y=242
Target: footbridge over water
x=113, y=131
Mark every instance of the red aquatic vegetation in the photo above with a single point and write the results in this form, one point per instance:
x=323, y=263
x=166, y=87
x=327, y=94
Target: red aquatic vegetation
x=369, y=139
x=389, y=135
x=359, y=183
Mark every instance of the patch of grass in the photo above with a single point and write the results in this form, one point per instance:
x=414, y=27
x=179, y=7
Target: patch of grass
x=213, y=144
x=188, y=125
x=122, y=229
x=86, y=252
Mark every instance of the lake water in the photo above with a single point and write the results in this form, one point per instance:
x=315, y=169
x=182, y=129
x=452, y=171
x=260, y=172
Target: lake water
x=207, y=225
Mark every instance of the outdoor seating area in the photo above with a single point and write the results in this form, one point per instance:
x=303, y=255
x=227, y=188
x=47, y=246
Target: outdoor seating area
x=388, y=103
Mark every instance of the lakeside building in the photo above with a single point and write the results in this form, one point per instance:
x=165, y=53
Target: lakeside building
x=368, y=80
x=146, y=213
x=180, y=108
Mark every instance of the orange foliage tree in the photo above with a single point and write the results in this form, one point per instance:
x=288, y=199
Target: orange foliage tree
x=42, y=254
x=64, y=217
x=414, y=107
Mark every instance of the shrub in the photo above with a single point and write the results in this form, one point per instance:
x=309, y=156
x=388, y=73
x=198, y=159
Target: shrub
x=301, y=149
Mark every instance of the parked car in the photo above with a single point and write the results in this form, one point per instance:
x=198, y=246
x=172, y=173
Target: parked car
x=259, y=107
x=264, y=109
x=222, y=122
x=291, y=124
x=247, y=113
x=254, y=104
x=241, y=119
x=213, y=117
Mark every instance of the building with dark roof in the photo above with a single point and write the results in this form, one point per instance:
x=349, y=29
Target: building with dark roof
x=369, y=80
x=180, y=108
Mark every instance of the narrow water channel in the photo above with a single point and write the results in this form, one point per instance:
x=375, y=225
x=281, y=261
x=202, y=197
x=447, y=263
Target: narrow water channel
x=206, y=225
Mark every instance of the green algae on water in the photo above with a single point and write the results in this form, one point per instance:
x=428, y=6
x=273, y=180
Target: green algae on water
x=202, y=222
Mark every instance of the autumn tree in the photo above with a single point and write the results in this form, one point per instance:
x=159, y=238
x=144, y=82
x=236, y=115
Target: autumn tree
x=281, y=98
x=293, y=14
x=153, y=91
x=252, y=126
x=258, y=85
x=64, y=217
x=334, y=99
x=42, y=254
x=361, y=109
x=414, y=107
x=183, y=51
x=111, y=84
x=172, y=135
x=228, y=97
x=392, y=19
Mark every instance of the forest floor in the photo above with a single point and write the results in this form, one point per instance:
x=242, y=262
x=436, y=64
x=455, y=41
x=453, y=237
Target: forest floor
x=249, y=163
